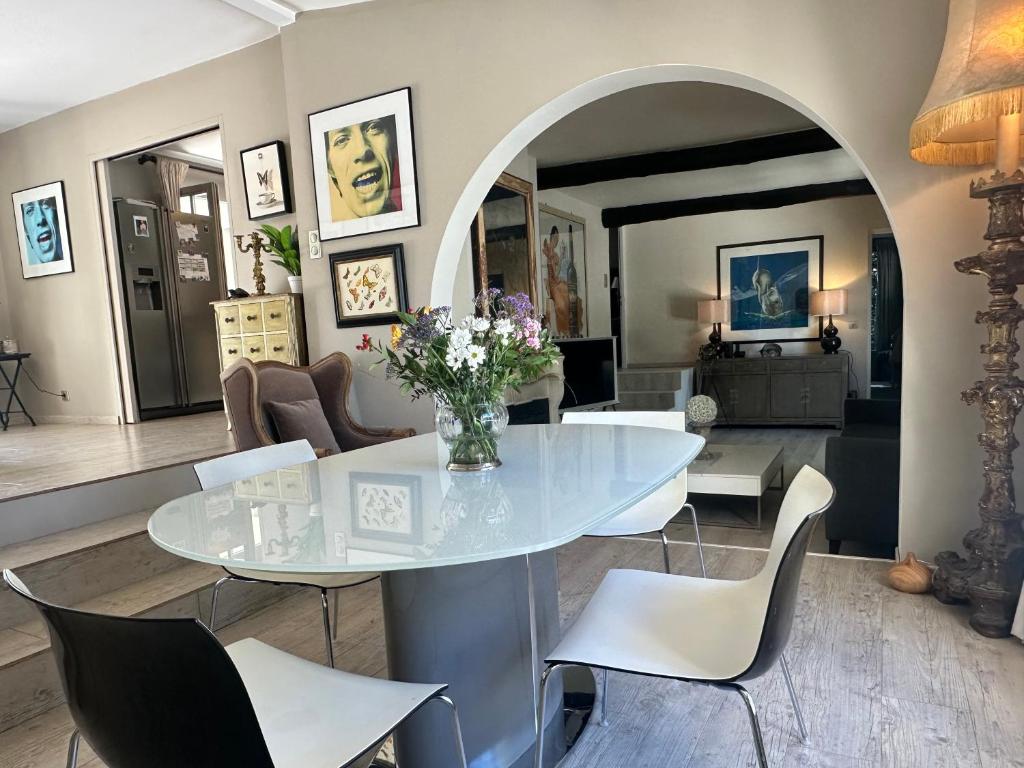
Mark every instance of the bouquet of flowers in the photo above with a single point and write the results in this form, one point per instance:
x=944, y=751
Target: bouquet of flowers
x=466, y=366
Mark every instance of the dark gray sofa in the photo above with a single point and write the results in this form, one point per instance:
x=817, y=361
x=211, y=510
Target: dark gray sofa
x=863, y=463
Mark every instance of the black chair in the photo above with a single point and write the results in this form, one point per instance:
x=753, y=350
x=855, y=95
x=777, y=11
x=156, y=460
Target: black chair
x=863, y=462
x=163, y=693
x=721, y=633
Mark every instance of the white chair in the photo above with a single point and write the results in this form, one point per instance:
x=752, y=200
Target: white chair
x=237, y=466
x=655, y=512
x=720, y=633
x=163, y=693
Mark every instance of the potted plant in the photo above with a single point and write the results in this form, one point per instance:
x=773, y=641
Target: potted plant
x=284, y=243
x=466, y=366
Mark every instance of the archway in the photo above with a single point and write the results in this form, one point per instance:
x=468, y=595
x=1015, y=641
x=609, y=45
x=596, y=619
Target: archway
x=450, y=250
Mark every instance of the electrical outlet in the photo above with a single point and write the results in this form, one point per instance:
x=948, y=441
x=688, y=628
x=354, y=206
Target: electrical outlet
x=852, y=325
x=314, y=244
x=64, y=395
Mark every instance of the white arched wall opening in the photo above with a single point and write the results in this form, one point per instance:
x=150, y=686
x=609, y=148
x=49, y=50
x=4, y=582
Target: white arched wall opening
x=442, y=287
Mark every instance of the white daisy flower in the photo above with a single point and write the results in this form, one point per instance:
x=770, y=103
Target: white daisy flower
x=455, y=358
x=503, y=327
x=480, y=324
x=461, y=338
x=475, y=355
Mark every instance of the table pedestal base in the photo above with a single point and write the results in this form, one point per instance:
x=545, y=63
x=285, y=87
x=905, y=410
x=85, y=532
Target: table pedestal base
x=470, y=626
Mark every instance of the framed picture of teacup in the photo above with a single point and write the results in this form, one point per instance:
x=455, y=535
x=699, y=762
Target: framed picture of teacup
x=265, y=174
x=41, y=220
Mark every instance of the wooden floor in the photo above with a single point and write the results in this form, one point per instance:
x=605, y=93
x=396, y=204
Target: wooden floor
x=886, y=679
x=49, y=456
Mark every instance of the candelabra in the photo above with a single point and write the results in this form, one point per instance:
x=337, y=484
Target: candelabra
x=257, y=245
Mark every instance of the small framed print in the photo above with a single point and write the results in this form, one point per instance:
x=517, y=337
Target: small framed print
x=265, y=175
x=369, y=285
x=141, y=225
x=386, y=506
x=41, y=220
x=364, y=166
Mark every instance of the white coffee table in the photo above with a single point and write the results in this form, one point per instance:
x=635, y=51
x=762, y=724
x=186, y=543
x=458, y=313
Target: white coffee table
x=737, y=470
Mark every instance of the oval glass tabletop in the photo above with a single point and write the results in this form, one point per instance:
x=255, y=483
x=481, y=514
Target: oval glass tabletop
x=395, y=506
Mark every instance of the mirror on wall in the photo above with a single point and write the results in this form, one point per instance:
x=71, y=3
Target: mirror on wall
x=504, y=245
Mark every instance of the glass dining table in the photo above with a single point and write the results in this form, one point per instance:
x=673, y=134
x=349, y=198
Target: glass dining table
x=469, y=579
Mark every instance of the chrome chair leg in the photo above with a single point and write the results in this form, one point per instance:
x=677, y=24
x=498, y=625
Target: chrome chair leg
x=792, y=697
x=696, y=532
x=538, y=752
x=327, y=627
x=664, y=551
x=604, y=699
x=213, y=606
x=460, y=747
x=755, y=725
x=337, y=612
x=76, y=737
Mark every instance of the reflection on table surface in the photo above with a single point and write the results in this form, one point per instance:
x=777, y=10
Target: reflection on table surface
x=395, y=506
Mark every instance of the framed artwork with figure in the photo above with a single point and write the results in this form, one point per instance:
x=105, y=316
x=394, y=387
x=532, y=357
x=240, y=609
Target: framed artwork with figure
x=41, y=221
x=768, y=285
x=364, y=166
x=563, y=239
x=265, y=175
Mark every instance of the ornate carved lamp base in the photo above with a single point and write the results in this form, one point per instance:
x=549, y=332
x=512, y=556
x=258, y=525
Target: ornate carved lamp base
x=989, y=576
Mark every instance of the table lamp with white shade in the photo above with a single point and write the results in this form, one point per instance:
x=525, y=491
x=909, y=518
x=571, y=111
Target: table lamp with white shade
x=972, y=116
x=829, y=303
x=713, y=312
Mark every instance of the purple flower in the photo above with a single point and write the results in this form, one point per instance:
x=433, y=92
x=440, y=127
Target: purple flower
x=428, y=327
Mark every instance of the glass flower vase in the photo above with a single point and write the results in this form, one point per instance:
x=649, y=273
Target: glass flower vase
x=471, y=433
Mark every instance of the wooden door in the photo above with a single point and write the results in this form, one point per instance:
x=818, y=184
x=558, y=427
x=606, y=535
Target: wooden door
x=788, y=395
x=824, y=395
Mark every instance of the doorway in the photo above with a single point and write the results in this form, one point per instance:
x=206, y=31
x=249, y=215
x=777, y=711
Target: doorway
x=886, y=317
x=170, y=220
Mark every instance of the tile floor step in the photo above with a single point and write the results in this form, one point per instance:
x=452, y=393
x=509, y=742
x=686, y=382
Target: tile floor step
x=647, y=379
x=651, y=401
x=35, y=551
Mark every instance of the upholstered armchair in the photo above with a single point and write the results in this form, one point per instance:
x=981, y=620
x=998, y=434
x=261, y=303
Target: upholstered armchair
x=249, y=387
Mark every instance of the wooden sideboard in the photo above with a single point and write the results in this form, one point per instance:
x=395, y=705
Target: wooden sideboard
x=796, y=390
x=268, y=327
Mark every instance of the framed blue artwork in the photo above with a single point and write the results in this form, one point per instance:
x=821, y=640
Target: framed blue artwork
x=768, y=285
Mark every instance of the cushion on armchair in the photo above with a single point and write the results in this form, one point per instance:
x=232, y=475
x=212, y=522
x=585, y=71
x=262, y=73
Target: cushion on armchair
x=303, y=420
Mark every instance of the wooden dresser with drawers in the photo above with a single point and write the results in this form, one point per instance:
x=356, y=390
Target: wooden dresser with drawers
x=266, y=327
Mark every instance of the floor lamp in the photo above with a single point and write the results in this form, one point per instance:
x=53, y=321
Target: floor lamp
x=972, y=116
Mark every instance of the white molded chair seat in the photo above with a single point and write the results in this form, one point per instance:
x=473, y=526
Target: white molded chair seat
x=666, y=625
x=316, y=717
x=701, y=630
x=653, y=513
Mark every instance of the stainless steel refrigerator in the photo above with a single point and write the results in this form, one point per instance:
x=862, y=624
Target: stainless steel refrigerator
x=171, y=270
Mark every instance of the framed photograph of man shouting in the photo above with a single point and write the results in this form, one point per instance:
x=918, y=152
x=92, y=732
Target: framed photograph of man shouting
x=364, y=166
x=41, y=220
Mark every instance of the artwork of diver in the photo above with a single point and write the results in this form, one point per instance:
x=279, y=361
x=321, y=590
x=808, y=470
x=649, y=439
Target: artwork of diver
x=776, y=292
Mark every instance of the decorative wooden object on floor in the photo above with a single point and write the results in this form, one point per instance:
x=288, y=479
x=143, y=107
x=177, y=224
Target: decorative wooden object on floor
x=910, y=576
x=268, y=327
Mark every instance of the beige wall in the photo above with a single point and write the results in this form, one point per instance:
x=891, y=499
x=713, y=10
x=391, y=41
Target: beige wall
x=486, y=79
x=670, y=265
x=478, y=71
x=65, y=320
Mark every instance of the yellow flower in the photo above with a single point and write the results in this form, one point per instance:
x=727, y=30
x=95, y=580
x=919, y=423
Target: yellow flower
x=396, y=336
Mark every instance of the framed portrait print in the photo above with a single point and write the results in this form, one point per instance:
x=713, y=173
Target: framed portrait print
x=364, y=167
x=265, y=175
x=369, y=285
x=386, y=506
x=768, y=285
x=140, y=225
x=41, y=220
x=563, y=245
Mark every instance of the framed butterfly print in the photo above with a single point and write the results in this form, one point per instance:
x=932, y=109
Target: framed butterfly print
x=265, y=175
x=369, y=285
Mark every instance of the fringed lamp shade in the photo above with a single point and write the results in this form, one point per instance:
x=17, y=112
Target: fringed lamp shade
x=980, y=78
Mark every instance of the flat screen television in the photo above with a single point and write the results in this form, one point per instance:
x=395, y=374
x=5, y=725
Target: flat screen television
x=590, y=375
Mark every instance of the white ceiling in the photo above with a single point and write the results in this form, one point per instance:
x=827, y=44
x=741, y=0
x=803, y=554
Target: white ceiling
x=59, y=53
x=660, y=117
